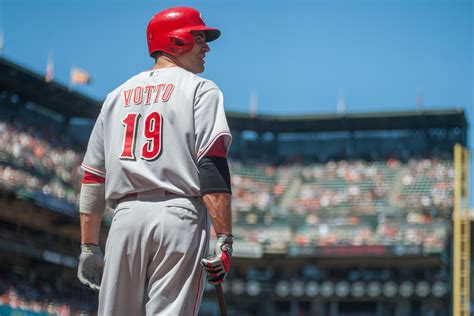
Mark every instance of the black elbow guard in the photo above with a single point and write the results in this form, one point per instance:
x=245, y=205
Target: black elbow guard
x=214, y=175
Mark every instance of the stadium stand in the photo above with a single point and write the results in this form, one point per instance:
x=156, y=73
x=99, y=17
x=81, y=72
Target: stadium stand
x=298, y=216
x=340, y=194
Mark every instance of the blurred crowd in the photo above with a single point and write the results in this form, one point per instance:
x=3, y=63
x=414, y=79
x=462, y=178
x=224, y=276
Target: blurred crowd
x=430, y=238
x=353, y=186
x=334, y=203
x=31, y=162
x=428, y=184
x=42, y=297
x=352, y=203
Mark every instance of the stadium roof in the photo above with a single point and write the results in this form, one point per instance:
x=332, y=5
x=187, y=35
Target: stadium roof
x=58, y=98
x=448, y=118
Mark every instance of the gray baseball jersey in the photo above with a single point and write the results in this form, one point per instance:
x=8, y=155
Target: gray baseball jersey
x=153, y=130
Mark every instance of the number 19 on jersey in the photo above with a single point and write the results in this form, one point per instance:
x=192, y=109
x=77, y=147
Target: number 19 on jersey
x=152, y=132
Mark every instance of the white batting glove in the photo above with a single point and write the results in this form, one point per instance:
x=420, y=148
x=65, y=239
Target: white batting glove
x=218, y=264
x=91, y=262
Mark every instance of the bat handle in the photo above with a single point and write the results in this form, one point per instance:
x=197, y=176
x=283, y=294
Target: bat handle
x=220, y=299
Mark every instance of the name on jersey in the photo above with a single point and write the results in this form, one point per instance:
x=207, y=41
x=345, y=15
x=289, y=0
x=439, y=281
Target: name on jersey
x=148, y=94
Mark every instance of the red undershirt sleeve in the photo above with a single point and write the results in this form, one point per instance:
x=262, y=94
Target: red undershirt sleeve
x=217, y=149
x=89, y=178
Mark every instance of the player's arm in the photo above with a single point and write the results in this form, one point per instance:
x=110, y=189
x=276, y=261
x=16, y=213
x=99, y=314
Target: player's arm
x=92, y=205
x=91, y=208
x=216, y=191
x=219, y=209
x=214, y=178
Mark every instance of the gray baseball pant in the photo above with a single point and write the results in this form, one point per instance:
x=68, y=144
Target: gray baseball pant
x=152, y=257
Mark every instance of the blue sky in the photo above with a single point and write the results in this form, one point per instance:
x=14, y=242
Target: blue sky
x=296, y=58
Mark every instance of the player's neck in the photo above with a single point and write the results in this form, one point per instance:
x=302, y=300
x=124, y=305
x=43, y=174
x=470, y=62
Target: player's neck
x=166, y=62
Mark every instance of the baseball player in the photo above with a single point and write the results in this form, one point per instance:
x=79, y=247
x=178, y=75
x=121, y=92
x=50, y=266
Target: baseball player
x=157, y=156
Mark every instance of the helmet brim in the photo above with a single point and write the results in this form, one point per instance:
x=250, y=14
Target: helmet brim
x=211, y=33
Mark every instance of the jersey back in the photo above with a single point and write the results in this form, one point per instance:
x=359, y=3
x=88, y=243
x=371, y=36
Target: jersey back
x=153, y=130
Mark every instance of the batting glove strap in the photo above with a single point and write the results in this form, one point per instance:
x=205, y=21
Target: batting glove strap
x=223, y=243
x=90, y=248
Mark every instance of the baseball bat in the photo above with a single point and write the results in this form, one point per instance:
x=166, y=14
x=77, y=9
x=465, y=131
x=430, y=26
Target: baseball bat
x=220, y=300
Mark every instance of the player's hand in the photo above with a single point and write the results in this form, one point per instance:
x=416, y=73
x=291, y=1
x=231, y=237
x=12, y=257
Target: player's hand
x=91, y=262
x=218, y=264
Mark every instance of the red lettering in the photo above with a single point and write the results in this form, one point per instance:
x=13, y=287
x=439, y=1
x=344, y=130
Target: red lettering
x=152, y=131
x=130, y=123
x=127, y=94
x=158, y=90
x=141, y=94
x=148, y=90
x=137, y=95
x=167, y=94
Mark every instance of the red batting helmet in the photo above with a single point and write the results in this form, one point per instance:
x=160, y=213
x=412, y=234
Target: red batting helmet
x=170, y=30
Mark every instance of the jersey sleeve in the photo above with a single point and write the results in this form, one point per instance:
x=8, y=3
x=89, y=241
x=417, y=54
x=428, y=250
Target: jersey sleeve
x=94, y=159
x=210, y=121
